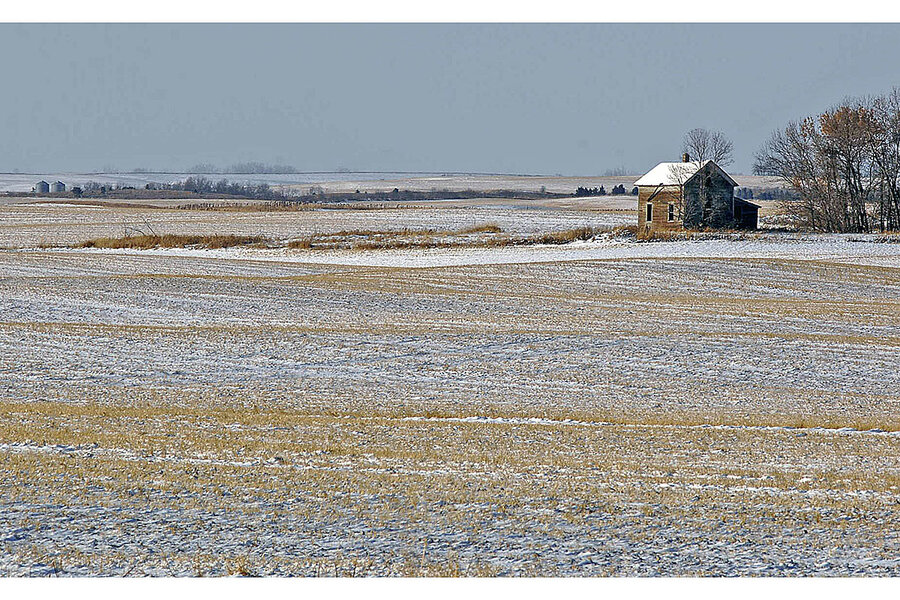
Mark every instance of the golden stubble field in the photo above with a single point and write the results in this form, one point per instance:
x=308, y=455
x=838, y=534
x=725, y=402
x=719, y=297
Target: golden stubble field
x=191, y=415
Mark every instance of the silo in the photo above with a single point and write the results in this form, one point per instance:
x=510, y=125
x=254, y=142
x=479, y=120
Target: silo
x=59, y=186
x=42, y=187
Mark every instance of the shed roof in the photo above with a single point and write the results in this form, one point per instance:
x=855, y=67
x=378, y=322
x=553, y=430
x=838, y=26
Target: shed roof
x=677, y=173
x=744, y=201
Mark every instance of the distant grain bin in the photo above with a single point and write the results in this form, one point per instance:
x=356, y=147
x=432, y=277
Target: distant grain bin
x=59, y=186
x=42, y=187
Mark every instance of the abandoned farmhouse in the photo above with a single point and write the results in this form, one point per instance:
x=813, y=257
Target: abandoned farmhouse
x=691, y=194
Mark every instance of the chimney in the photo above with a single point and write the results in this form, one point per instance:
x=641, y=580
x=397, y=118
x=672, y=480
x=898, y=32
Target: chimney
x=685, y=157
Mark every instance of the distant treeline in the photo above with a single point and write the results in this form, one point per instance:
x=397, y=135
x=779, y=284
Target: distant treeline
x=198, y=185
x=242, y=168
x=190, y=186
x=317, y=194
x=748, y=193
x=202, y=185
x=251, y=168
x=618, y=190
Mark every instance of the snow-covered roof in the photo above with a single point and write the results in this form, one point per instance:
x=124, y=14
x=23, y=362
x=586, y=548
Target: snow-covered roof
x=676, y=173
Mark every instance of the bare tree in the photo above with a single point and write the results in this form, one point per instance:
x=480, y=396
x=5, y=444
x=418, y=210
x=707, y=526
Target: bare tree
x=884, y=144
x=679, y=173
x=845, y=131
x=700, y=145
x=792, y=156
x=703, y=144
x=841, y=164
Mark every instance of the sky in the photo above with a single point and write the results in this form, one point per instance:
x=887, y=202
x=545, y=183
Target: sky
x=578, y=99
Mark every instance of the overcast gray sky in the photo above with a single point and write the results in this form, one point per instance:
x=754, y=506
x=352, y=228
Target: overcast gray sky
x=569, y=99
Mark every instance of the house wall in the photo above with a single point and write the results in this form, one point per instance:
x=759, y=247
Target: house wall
x=660, y=200
x=708, y=199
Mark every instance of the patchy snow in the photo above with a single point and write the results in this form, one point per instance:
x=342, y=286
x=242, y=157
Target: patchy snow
x=575, y=422
x=837, y=248
x=170, y=412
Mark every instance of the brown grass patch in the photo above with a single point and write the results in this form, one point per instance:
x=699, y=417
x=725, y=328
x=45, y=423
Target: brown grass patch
x=370, y=239
x=429, y=238
x=563, y=237
x=143, y=242
x=486, y=228
x=677, y=235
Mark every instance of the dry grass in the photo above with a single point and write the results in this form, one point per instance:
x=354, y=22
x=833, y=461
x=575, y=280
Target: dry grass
x=624, y=231
x=250, y=207
x=143, y=242
x=693, y=234
x=563, y=237
x=374, y=239
x=486, y=228
x=403, y=482
x=371, y=468
x=480, y=236
x=888, y=237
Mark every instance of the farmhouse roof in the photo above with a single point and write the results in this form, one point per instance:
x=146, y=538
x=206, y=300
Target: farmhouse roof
x=677, y=173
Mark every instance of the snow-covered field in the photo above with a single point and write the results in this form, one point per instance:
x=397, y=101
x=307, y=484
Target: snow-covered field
x=27, y=224
x=609, y=407
x=857, y=249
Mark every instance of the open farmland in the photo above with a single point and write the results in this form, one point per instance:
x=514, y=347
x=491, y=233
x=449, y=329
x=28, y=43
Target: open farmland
x=609, y=407
x=28, y=223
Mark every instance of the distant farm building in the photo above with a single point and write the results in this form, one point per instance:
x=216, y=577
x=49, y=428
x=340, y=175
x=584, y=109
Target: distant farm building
x=59, y=186
x=42, y=187
x=691, y=194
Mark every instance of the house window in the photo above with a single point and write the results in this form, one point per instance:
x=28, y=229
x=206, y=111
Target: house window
x=649, y=212
x=671, y=212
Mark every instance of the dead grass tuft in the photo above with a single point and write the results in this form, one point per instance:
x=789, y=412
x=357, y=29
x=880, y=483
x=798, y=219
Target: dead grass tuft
x=563, y=237
x=143, y=242
x=371, y=239
x=625, y=231
x=693, y=234
x=486, y=228
x=663, y=236
x=422, y=239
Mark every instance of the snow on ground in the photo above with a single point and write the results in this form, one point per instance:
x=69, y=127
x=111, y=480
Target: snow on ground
x=837, y=248
x=26, y=225
x=723, y=407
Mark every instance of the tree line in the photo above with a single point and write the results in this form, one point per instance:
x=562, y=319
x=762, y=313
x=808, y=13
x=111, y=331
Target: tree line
x=843, y=165
x=202, y=185
x=618, y=190
x=748, y=193
x=251, y=167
